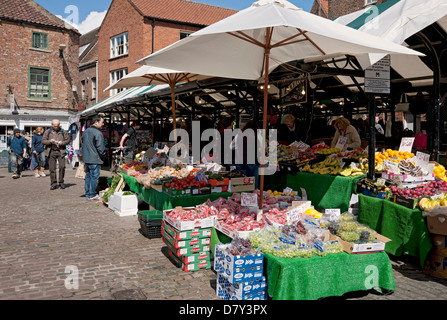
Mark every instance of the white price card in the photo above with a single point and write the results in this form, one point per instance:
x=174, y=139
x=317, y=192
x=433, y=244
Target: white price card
x=287, y=190
x=423, y=157
x=303, y=194
x=406, y=144
x=391, y=167
x=341, y=143
x=249, y=199
x=334, y=214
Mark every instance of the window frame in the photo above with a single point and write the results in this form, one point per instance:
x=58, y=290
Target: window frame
x=114, y=47
x=94, y=89
x=40, y=33
x=370, y=2
x=116, y=91
x=29, y=83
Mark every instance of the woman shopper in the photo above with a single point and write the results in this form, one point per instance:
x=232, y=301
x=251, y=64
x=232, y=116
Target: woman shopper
x=343, y=128
x=38, y=151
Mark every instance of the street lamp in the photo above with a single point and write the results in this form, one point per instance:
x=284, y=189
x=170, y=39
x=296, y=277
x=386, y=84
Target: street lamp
x=61, y=50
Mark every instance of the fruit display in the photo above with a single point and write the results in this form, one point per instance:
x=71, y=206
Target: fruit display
x=154, y=176
x=184, y=183
x=409, y=168
x=331, y=166
x=135, y=165
x=428, y=189
x=328, y=151
x=139, y=156
x=427, y=204
x=319, y=147
x=352, y=231
x=393, y=155
x=439, y=172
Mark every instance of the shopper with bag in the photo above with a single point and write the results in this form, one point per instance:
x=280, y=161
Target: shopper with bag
x=17, y=151
x=93, y=154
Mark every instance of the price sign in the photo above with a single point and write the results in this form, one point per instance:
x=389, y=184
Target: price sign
x=334, y=214
x=288, y=190
x=423, y=157
x=303, y=194
x=391, y=167
x=249, y=199
x=341, y=143
x=200, y=176
x=406, y=144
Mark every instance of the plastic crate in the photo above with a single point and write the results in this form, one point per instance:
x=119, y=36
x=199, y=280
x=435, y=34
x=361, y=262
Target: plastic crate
x=149, y=215
x=151, y=229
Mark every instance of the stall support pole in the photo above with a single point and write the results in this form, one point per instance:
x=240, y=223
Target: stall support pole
x=372, y=136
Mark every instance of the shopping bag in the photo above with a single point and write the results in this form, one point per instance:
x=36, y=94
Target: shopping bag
x=403, y=105
x=80, y=172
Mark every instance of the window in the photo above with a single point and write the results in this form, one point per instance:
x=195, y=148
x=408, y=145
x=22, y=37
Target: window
x=93, y=88
x=83, y=89
x=39, y=85
x=184, y=34
x=119, y=45
x=368, y=2
x=115, y=76
x=40, y=40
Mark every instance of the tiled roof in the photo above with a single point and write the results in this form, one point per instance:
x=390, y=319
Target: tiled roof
x=182, y=11
x=28, y=11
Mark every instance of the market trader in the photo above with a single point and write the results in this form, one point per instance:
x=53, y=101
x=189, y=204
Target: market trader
x=130, y=139
x=55, y=140
x=93, y=154
x=343, y=128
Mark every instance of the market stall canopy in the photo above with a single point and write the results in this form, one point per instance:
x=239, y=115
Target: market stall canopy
x=397, y=21
x=121, y=97
x=234, y=47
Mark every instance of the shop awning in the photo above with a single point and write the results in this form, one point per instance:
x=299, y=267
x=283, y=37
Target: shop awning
x=398, y=21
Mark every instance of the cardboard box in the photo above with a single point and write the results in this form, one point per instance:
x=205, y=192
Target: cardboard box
x=187, y=243
x=243, y=184
x=409, y=178
x=215, y=183
x=233, y=233
x=188, y=225
x=198, y=191
x=238, y=269
x=188, y=234
x=436, y=266
x=185, y=251
x=355, y=248
x=437, y=224
x=439, y=244
x=219, y=189
x=199, y=265
x=176, y=193
x=407, y=203
x=226, y=294
x=256, y=286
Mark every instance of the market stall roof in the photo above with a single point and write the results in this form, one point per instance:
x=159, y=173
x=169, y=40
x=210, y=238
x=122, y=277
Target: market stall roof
x=120, y=98
x=399, y=21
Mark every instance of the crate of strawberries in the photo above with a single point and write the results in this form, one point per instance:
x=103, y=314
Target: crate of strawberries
x=185, y=186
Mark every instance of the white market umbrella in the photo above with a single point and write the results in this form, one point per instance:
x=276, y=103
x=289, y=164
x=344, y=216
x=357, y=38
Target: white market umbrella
x=149, y=75
x=253, y=42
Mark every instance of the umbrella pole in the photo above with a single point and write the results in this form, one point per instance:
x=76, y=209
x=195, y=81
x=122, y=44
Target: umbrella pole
x=264, y=126
x=174, y=123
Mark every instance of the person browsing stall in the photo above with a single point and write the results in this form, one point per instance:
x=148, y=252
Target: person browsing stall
x=343, y=128
x=288, y=131
x=38, y=150
x=93, y=153
x=129, y=140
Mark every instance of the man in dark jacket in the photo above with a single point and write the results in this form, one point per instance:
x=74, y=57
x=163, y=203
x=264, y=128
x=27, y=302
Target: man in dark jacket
x=55, y=140
x=93, y=155
x=17, y=151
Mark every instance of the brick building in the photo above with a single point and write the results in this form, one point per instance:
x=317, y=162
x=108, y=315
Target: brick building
x=88, y=69
x=332, y=9
x=133, y=29
x=37, y=83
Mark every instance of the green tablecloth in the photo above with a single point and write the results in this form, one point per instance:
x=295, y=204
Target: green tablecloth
x=162, y=201
x=318, y=277
x=405, y=227
x=325, y=191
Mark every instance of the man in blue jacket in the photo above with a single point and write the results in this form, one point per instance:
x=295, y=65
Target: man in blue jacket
x=93, y=155
x=17, y=151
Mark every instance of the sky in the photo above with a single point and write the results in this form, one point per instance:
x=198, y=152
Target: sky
x=86, y=15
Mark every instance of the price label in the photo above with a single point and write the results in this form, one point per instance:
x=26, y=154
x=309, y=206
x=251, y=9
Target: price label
x=341, y=143
x=381, y=181
x=334, y=214
x=391, y=167
x=406, y=144
x=423, y=157
x=303, y=194
x=249, y=199
x=200, y=176
x=287, y=190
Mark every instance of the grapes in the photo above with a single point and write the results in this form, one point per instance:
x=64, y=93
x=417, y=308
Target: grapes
x=348, y=226
x=346, y=217
x=349, y=236
x=333, y=247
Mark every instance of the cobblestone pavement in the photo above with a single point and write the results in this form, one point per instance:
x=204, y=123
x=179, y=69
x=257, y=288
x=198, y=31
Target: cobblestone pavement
x=45, y=234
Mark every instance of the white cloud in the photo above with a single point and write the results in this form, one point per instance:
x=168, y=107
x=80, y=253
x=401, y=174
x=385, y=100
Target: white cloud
x=93, y=21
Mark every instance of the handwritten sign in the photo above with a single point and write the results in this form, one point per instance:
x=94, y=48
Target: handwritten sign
x=341, y=143
x=200, y=176
x=334, y=214
x=391, y=167
x=423, y=157
x=406, y=144
x=249, y=199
